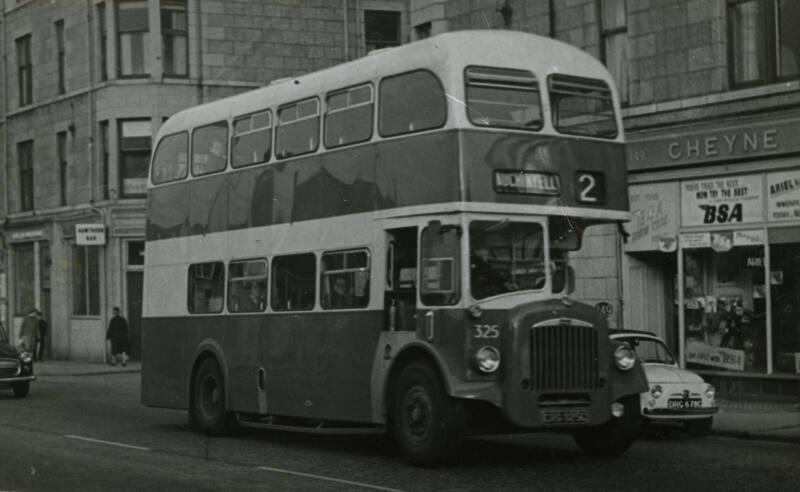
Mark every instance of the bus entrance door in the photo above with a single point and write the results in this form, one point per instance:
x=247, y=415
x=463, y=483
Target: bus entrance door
x=401, y=280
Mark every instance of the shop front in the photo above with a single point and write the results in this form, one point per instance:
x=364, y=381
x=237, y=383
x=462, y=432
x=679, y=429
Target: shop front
x=713, y=256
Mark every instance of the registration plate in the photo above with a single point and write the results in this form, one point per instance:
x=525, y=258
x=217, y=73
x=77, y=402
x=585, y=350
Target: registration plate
x=685, y=404
x=572, y=416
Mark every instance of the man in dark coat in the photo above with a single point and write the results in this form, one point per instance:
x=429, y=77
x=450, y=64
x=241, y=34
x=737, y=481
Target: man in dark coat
x=117, y=335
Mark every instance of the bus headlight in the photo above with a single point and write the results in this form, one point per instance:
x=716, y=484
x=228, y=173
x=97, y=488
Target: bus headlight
x=487, y=359
x=624, y=357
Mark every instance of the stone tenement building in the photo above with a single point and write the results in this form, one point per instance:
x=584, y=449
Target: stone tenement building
x=711, y=90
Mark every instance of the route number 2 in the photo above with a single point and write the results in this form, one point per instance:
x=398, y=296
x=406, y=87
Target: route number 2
x=486, y=331
x=591, y=187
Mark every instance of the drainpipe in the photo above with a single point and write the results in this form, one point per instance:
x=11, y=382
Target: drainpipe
x=4, y=171
x=346, y=40
x=200, y=96
x=90, y=95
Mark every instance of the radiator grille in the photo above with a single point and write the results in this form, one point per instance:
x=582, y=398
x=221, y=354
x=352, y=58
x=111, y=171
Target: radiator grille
x=563, y=357
x=9, y=367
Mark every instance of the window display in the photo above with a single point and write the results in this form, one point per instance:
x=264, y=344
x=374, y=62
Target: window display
x=784, y=283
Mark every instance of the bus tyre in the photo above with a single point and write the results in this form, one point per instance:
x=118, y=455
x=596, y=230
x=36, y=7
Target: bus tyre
x=426, y=423
x=615, y=436
x=208, y=412
x=700, y=427
x=21, y=389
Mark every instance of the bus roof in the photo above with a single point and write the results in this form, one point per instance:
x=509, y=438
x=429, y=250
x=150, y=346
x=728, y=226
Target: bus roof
x=445, y=54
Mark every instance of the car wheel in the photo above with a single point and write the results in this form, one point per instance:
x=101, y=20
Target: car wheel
x=208, y=412
x=21, y=389
x=700, y=427
x=615, y=436
x=426, y=423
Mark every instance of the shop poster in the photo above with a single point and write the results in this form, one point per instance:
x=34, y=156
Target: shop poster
x=708, y=355
x=722, y=200
x=783, y=190
x=654, y=217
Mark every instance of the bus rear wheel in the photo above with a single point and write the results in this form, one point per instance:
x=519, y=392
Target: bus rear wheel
x=426, y=423
x=208, y=412
x=615, y=436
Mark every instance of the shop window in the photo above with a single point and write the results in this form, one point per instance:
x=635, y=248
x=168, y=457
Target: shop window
x=614, y=36
x=133, y=38
x=206, y=287
x=784, y=284
x=86, y=281
x=344, y=279
x=725, y=306
x=175, y=38
x=411, y=102
x=24, y=298
x=381, y=29
x=763, y=44
x=134, y=156
x=293, y=282
x=24, y=70
x=247, y=286
x=252, y=135
x=25, y=160
x=298, y=128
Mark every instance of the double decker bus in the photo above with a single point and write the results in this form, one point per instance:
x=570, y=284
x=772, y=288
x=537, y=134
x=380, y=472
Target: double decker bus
x=384, y=245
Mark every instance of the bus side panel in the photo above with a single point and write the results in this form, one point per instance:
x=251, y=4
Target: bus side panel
x=486, y=152
x=413, y=170
x=306, y=375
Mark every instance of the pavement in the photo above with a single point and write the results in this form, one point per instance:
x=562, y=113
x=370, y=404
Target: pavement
x=736, y=419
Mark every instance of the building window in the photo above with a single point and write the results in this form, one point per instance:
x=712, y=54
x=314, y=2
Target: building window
x=133, y=38
x=25, y=70
x=24, y=297
x=206, y=287
x=104, y=158
x=61, y=151
x=135, y=253
x=102, y=34
x=422, y=31
x=134, y=156
x=614, y=39
x=763, y=43
x=86, y=281
x=25, y=160
x=381, y=29
x=174, y=38
x=60, y=56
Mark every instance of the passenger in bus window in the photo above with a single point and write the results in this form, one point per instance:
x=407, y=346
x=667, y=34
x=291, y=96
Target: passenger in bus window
x=213, y=160
x=342, y=293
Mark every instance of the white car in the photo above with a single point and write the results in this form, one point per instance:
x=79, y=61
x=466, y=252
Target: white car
x=676, y=394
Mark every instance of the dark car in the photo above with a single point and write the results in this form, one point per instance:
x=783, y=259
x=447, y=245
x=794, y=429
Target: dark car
x=16, y=367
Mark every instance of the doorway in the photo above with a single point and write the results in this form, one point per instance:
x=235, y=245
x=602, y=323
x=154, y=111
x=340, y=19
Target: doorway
x=135, y=282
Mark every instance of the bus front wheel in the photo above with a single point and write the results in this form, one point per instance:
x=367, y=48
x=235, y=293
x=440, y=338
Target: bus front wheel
x=426, y=423
x=615, y=436
x=208, y=412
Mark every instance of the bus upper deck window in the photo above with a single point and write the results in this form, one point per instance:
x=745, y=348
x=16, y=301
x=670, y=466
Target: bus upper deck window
x=171, y=156
x=502, y=97
x=210, y=148
x=349, y=116
x=297, y=129
x=582, y=106
x=411, y=102
x=251, y=139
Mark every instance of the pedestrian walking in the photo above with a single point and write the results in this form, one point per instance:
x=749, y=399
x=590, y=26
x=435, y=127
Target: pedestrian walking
x=28, y=333
x=117, y=336
x=41, y=336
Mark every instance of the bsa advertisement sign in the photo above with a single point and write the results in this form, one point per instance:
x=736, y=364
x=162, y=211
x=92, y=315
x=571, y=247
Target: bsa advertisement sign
x=708, y=355
x=654, y=217
x=784, y=196
x=723, y=200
